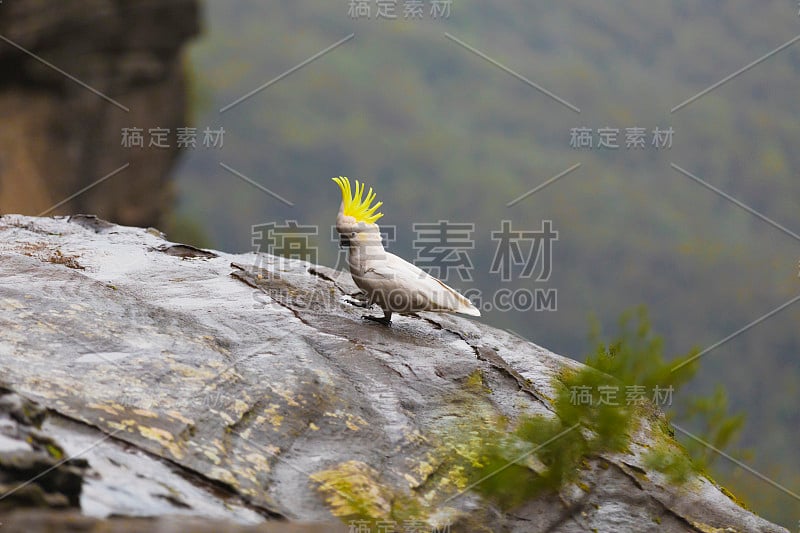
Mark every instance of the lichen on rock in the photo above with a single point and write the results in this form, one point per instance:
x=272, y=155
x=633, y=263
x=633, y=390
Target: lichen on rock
x=253, y=378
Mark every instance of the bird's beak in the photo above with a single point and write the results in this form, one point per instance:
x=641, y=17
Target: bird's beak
x=344, y=241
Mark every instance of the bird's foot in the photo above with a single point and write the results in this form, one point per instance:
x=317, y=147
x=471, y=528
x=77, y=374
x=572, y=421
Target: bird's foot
x=386, y=319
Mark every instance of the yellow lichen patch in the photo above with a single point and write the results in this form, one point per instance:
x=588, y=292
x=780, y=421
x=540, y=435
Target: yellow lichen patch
x=240, y=408
x=312, y=426
x=225, y=416
x=247, y=474
x=123, y=425
x=54, y=451
x=250, y=492
x=425, y=468
x=272, y=415
x=457, y=450
x=145, y=413
x=351, y=489
x=415, y=437
x=422, y=470
x=112, y=409
x=350, y=420
x=258, y=461
x=475, y=383
x=456, y=477
x=730, y=495
x=192, y=372
x=222, y=475
x=179, y=416
x=270, y=449
x=470, y=449
x=706, y=528
x=212, y=456
x=164, y=438
x=284, y=393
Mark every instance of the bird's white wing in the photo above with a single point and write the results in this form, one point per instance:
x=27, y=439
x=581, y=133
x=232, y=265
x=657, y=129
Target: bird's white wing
x=400, y=286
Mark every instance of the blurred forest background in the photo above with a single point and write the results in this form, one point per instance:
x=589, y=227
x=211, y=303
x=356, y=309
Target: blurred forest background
x=442, y=134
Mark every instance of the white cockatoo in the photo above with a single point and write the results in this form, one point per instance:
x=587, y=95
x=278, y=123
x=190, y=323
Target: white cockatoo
x=392, y=283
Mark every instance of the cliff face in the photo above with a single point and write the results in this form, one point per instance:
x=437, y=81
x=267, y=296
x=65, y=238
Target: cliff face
x=244, y=387
x=113, y=64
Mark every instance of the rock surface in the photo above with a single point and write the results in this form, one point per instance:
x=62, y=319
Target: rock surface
x=244, y=388
x=59, y=136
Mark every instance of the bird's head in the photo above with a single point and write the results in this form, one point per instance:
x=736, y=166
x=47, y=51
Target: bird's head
x=356, y=214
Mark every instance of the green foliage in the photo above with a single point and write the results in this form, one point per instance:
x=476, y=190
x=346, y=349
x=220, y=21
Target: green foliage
x=419, y=117
x=543, y=453
x=677, y=466
x=635, y=356
x=718, y=428
x=540, y=454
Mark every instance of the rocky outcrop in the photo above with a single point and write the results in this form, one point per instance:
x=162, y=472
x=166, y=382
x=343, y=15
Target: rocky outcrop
x=33, y=469
x=245, y=388
x=72, y=76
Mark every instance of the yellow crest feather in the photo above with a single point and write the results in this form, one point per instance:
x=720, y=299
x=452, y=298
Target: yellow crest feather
x=356, y=205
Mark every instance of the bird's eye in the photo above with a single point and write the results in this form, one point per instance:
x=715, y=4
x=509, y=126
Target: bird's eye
x=353, y=235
